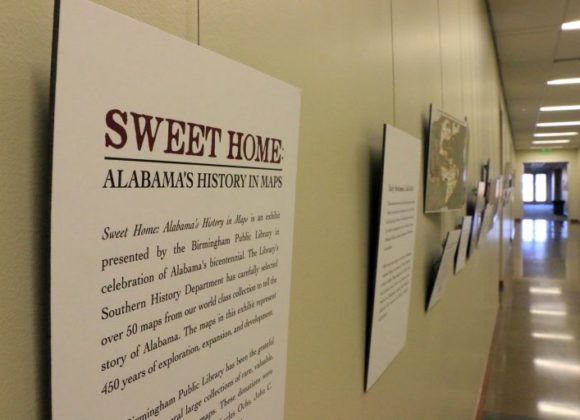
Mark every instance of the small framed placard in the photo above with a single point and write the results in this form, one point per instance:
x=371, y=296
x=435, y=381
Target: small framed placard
x=463, y=244
x=444, y=270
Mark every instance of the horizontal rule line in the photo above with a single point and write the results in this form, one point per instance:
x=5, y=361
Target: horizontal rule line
x=172, y=162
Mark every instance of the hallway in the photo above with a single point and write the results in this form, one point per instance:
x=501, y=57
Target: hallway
x=535, y=365
x=541, y=211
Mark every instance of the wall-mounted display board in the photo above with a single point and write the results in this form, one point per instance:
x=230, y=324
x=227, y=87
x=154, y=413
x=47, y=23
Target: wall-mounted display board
x=395, y=250
x=485, y=171
x=495, y=195
x=487, y=222
x=446, y=180
x=172, y=218
x=463, y=243
x=444, y=268
x=507, y=184
x=477, y=217
x=494, y=190
x=507, y=176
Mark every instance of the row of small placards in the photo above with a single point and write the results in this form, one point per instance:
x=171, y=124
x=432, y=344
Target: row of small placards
x=461, y=243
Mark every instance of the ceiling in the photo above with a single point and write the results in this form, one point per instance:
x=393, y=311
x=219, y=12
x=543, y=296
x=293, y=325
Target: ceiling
x=532, y=49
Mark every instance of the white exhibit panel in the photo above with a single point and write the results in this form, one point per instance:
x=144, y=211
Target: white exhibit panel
x=445, y=268
x=487, y=222
x=477, y=217
x=463, y=244
x=395, y=250
x=172, y=219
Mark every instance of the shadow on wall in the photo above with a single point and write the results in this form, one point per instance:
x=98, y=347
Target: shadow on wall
x=375, y=174
x=41, y=203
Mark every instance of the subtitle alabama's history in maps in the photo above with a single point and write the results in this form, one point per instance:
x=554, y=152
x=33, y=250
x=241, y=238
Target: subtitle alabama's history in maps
x=172, y=219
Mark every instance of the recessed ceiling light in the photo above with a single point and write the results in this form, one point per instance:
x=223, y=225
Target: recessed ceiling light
x=558, y=124
x=570, y=81
x=560, y=108
x=551, y=336
x=557, y=365
x=562, y=141
x=547, y=312
x=571, y=26
x=545, y=290
x=555, y=409
x=569, y=133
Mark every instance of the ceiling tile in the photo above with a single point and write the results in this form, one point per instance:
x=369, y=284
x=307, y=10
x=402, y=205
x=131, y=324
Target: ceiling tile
x=559, y=116
x=565, y=69
x=516, y=15
x=532, y=72
x=569, y=45
x=573, y=11
x=524, y=109
x=522, y=125
x=524, y=135
x=518, y=90
x=562, y=95
x=527, y=46
x=525, y=81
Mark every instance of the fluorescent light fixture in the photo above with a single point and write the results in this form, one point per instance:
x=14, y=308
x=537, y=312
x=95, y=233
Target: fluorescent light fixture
x=571, y=26
x=560, y=108
x=557, y=365
x=558, y=124
x=563, y=141
x=571, y=81
x=547, y=312
x=551, y=336
x=555, y=409
x=567, y=133
x=546, y=290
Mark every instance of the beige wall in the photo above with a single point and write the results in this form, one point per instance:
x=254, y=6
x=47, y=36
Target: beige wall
x=572, y=157
x=507, y=226
x=359, y=64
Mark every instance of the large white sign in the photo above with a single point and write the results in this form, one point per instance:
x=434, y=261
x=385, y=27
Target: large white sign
x=172, y=219
x=396, y=245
